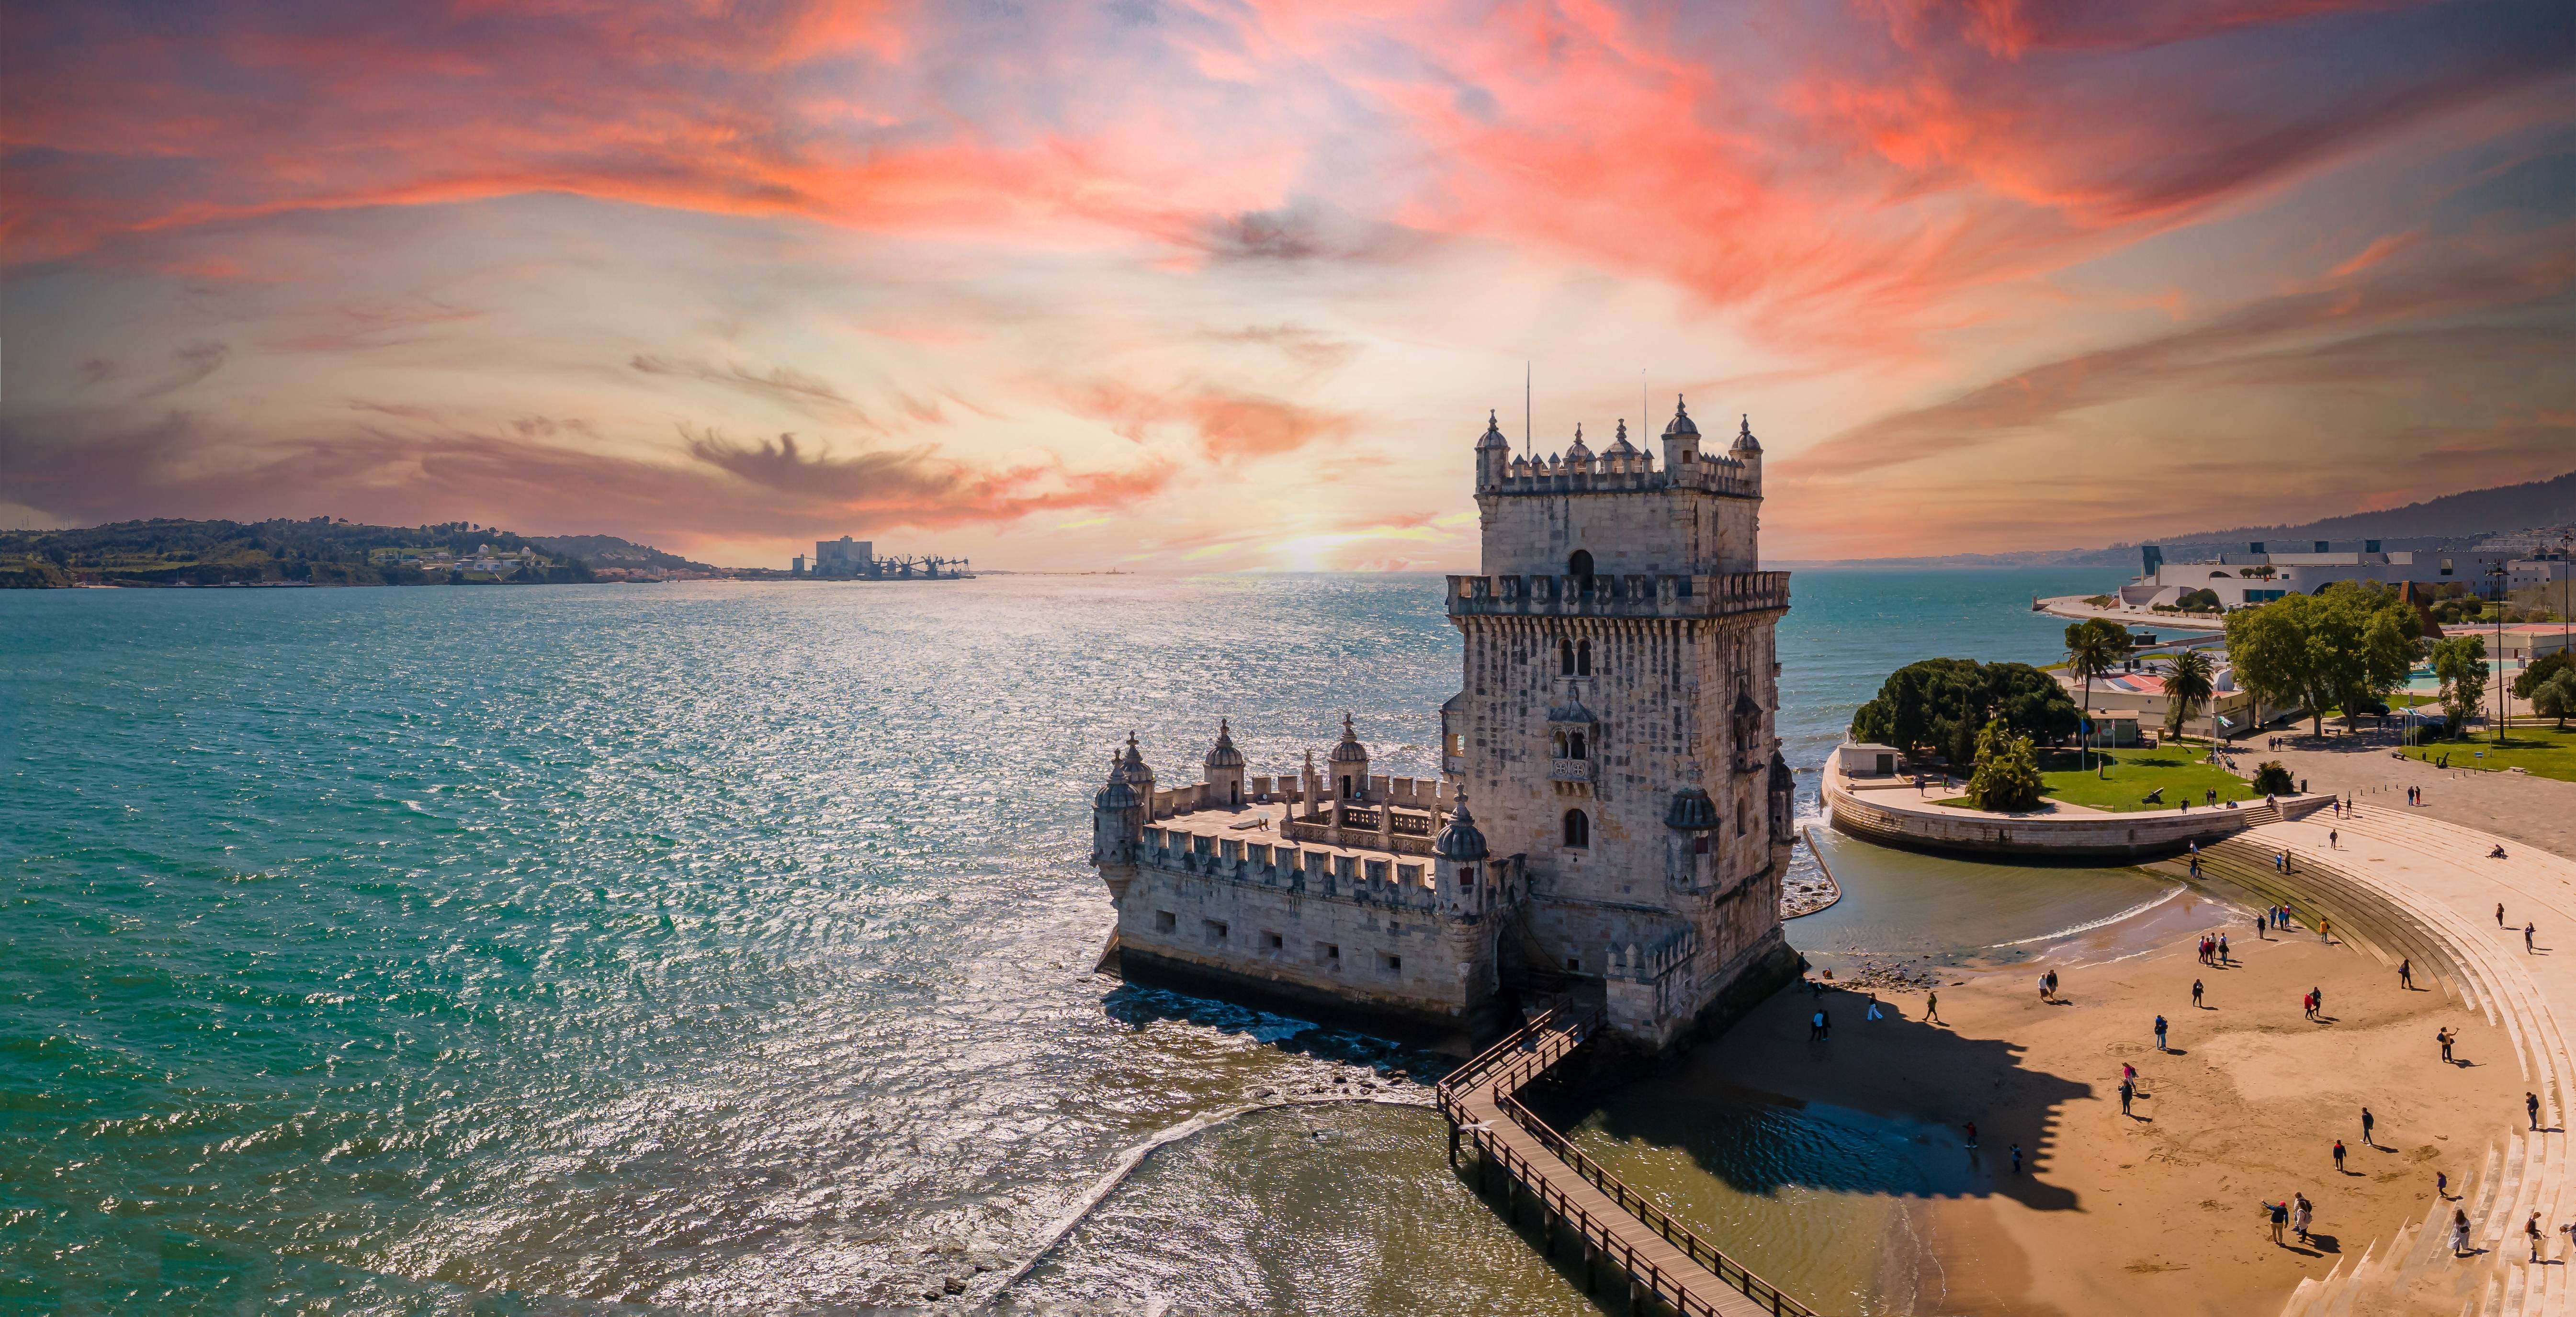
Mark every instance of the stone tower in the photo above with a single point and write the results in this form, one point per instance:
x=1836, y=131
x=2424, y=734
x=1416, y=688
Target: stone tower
x=1616, y=724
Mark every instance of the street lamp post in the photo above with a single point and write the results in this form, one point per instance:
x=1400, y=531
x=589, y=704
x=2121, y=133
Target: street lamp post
x=2503, y=710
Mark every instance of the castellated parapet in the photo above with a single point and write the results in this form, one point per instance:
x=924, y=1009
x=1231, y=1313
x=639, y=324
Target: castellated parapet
x=1615, y=732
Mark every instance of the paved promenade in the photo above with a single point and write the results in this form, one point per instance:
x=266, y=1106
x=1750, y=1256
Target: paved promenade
x=2536, y=811
x=2441, y=875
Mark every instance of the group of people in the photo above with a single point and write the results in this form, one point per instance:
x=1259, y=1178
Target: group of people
x=2213, y=949
x=2314, y=1002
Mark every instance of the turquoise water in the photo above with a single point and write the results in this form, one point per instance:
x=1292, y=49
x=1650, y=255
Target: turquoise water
x=695, y=946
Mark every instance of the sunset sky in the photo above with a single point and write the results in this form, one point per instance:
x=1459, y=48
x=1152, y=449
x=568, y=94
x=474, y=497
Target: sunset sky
x=1231, y=286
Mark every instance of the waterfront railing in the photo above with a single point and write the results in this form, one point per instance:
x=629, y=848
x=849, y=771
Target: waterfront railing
x=1517, y=1061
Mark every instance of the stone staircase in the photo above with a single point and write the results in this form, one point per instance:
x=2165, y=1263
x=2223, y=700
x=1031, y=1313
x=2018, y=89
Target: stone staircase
x=2384, y=914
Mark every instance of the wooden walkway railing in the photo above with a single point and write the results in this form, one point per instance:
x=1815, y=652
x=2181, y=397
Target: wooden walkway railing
x=1662, y=1258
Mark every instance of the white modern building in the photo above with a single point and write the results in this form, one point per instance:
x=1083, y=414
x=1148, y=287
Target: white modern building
x=2259, y=575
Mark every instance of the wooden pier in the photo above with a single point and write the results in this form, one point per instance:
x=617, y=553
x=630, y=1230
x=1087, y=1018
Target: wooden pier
x=1661, y=1260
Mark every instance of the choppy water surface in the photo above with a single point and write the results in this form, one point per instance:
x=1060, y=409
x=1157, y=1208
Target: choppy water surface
x=697, y=947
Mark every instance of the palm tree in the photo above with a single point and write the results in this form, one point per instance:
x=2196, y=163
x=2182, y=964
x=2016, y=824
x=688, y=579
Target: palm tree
x=2091, y=648
x=2190, y=683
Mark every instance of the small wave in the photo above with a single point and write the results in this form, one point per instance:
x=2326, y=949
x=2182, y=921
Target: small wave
x=2105, y=922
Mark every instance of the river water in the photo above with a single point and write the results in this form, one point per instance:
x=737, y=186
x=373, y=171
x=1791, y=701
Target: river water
x=715, y=946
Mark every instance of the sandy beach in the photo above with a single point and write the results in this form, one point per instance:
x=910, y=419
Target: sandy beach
x=2158, y=1211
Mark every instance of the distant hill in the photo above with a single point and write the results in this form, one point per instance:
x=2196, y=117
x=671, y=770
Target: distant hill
x=610, y=551
x=313, y=551
x=2431, y=524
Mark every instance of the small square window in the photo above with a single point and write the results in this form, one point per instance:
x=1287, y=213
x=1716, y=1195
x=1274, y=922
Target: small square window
x=1327, y=953
x=1261, y=855
x=1574, y=964
x=1346, y=867
x=1234, y=850
x=1165, y=921
x=1273, y=941
x=1215, y=930
x=1410, y=874
x=1388, y=964
x=1377, y=871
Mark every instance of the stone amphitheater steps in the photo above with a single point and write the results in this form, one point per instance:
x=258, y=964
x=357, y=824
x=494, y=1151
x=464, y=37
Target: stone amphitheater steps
x=2362, y=917
x=2530, y=1171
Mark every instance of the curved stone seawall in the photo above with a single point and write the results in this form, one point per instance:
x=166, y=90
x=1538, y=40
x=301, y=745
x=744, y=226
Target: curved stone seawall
x=1895, y=818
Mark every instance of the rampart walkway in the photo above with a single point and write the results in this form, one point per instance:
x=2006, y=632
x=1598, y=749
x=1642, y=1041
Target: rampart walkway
x=1659, y=1258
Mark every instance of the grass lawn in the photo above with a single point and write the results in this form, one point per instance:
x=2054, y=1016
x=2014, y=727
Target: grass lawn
x=2538, y=749
x=2134, y=773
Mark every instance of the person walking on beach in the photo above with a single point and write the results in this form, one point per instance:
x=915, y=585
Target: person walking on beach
x=2527, y=931
x=2334, y=840
x=2128, y=1090
x=2222, y=949
x=2325, y=931
x=1932, y=1008
x=2043, y=986
x=2317, y=1000
x=2160, y=1033
x=2499, y=914
x=2052, y=985
x=2444, y=1037
x=2459, y=1231
x=2367, y=1120
x=2442, y=1186
x=2308, y=1005
x=1816, y=1026
x=2280, y=1215
x=2406, y=974
x=2259, y=934
x=2338, y=1154
x=2195, y=995
x=2302, y=1215
x=2531, y=1105
x=2531, y=1228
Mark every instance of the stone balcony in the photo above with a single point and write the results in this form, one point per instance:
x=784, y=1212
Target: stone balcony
x=1716, y=595
x=1569, y=770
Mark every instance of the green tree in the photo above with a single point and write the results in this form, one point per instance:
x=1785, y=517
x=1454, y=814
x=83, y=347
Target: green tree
x=2461, y=664
x=1941, y=703
x=2093, y=647
x=2556, y=697
x=2190, y=684
x=2007, y=776
x=2342, y=647
x=2539, y=672
x=2273, y=780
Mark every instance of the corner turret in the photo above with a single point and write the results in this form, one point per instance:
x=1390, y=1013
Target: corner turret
x=1350, y=761
x=1493, y=455
x=1681, y=439
x=1224, y=770
x=1748, y=451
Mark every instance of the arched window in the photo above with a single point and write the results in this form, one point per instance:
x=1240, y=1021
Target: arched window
x=1575, y=746
x=1565, y=658
x=1583, y=658
x=1580, y=568
x=1560, y=745
x=1234, y=793
x=1578, y=828
x=1346, y=786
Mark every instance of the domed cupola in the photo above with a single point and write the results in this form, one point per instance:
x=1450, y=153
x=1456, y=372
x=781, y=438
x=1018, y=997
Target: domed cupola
x=1744, y=440
x=1620, y=447
x=1493, y=435
x=1131, y=769
x=1575, y=452
x=1349, y=751
x=1692, y=811
x=1223, y=754
x=1458, y=840
x=1681, y=424
x=1116, y=795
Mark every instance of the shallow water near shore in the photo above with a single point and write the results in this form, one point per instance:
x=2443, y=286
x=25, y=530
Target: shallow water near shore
x=714, y=946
